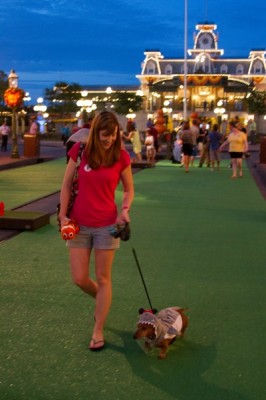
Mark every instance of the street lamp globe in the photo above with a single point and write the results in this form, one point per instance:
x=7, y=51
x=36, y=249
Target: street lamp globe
x=84, y=93
x=13, y=79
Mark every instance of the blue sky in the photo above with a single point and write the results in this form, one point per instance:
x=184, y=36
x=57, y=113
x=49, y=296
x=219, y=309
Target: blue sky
x=103, y=42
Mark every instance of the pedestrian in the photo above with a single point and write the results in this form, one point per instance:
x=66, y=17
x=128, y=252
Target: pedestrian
x=252, y=131
x=155, y=135
x=103, y=165
x=65, y=133
x=149, y=123
x=134, y=137
x=186, y=136
x=177, y=150
x=4, y=131
x=238, y=145
x=150, y=149
x=206, y=146
x=200, y=141
x=215, y=138
x=195, y=134
x=78, y=135
x=34, y=126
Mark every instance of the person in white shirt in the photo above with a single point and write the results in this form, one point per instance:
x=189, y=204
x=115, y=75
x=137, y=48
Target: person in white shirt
x=150, y=149
x=4, y=131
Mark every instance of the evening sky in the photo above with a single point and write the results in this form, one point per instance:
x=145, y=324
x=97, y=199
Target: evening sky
x=103, y=42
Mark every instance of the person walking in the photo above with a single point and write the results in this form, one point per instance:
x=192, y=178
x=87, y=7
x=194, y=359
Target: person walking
x=186, y=136
x=103, y=165
x=4, y=131
x=134, y=137
x=215, y=138
x=65, y=133
x=195, y=134
x=238, y=145
x=34, y=126
x=206, y=146
x=252, y=131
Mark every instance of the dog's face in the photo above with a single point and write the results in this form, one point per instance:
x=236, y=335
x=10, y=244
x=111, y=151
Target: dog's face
x=144, y=331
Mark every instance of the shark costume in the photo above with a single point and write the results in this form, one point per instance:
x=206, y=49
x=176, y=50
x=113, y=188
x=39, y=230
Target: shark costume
x=167, y=324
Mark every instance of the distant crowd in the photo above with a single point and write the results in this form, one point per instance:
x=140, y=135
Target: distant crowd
x=187, y=141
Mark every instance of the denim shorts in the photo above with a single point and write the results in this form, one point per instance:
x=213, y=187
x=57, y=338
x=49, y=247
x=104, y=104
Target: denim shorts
x=96, y=238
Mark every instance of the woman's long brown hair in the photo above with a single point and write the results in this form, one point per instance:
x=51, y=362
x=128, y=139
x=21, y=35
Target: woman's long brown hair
x=94, y=152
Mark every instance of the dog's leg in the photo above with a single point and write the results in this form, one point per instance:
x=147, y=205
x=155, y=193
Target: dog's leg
x=147, y=345
x=185, y=323
x=162, y=354
x=164, y=347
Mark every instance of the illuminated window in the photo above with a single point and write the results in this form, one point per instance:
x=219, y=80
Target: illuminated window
x=257, y=67
x=151, y=67
x=169, y=69
x=239, y=69
x=224, y=69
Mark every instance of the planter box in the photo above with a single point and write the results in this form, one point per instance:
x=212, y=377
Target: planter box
x=142, y=164
x=23, y=220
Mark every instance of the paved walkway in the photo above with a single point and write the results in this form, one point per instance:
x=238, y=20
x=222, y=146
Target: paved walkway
x=48, y=151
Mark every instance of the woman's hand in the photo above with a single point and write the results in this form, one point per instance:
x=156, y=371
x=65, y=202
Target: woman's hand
x=123, y=217
x=64, y=220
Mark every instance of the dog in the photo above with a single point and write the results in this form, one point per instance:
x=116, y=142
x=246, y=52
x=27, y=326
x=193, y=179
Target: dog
x=161, y=330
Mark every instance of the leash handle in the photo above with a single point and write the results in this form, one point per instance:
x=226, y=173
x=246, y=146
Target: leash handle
x=137, y=262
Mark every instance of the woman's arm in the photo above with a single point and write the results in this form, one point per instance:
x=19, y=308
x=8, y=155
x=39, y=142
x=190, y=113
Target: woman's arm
x=223, y=145
x=129, y=136
x=66, y=190
x=128, y=195
x=245, y=145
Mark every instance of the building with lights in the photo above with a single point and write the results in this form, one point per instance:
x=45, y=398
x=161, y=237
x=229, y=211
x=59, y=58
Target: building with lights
x=214, y=84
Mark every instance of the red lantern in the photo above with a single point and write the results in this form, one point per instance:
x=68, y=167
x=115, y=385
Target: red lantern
x=14, y=97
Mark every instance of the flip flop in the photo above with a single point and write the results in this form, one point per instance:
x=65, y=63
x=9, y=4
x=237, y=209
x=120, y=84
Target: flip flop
x=95, y=343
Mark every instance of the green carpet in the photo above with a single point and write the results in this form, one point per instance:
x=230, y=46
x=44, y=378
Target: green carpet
x=200, y=239
x=21, y=185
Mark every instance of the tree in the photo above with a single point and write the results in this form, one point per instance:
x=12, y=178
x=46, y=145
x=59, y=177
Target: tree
x=62, y=97
x=256, y=104
x=125, y=103
x=3, y=87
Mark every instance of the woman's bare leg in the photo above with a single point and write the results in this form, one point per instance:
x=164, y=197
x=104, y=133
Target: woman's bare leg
x=103, y=265
x=79, y=263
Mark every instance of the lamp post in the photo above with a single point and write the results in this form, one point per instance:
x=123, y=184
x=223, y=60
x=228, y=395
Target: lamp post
x=185, y=60
x=14, y=98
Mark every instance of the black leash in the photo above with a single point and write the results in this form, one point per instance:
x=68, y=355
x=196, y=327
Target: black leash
x=137, y=262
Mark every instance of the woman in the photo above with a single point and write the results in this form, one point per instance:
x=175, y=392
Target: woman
x=215, y=139
x=238, y=145
x=133, y=135
x=186, y=136
x=103, y=164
